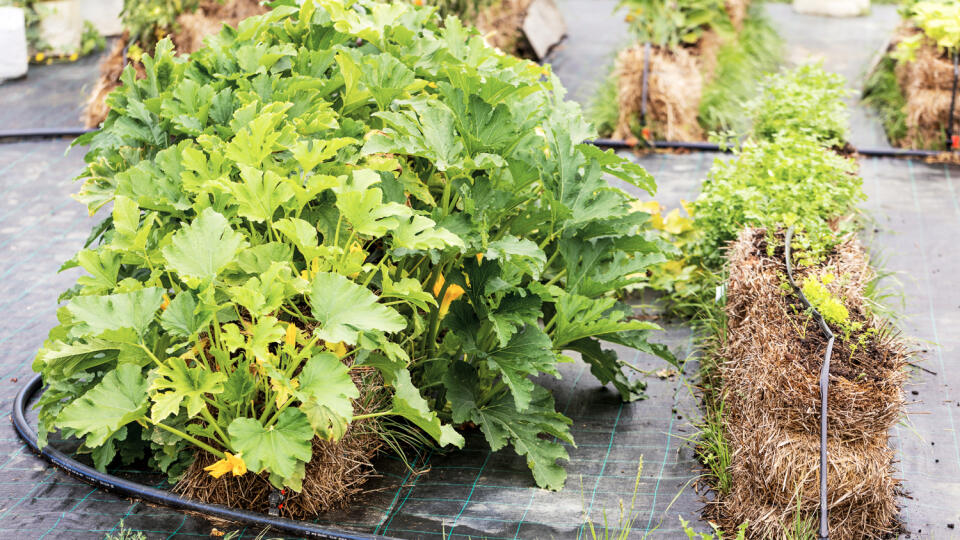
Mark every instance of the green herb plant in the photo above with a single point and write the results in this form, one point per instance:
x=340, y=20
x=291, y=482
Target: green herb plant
x=804, y=101
x=673, y=23
x=326, y=190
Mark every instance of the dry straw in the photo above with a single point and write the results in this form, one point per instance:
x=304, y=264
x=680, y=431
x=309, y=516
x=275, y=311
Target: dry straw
x=675, y=83
x=335, y=474
x=926, y=83
x=191, y=29
x=770, y=373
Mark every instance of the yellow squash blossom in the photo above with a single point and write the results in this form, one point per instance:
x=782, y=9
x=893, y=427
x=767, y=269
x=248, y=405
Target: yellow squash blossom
x=230, y=464
x=166, y=303
x=338, y=348
x=454, y=291
x=291, y=337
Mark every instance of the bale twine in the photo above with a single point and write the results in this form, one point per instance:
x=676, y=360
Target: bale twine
x=770, y=372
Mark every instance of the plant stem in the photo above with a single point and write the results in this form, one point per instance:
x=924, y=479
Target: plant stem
x=371, y=415
x=187, y=438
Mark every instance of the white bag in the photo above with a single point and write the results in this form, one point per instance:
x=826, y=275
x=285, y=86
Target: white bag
x=13, y=43
x=104, y=14
x=832, y=8
x=61, y=26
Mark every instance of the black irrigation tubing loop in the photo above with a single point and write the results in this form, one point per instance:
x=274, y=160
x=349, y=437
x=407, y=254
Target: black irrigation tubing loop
x=824, y=386
x=159, y=496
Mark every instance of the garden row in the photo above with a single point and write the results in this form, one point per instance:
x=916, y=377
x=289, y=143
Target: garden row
x=763, y=350
x=336, y=229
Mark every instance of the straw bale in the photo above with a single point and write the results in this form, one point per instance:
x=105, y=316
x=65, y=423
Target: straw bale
x=674, y=88
x=111, y=67
x=336, y=473
x=770, y=372
x=192, y=28
x=737, y=10
x=926, y=83
x=502, y=26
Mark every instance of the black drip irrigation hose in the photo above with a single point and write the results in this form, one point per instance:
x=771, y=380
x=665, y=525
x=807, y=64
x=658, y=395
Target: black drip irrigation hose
x=714, y=147
x=159, y=496
x=47, y=133
x=824, y=386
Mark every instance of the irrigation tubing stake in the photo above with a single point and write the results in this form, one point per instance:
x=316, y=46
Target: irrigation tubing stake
x=824, y=386
x=159, y=496
x=953, y=101
x=643, y=86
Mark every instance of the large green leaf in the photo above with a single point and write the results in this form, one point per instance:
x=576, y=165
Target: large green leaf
x=183, y=317
x=345, y=309
x=528, y=353
x=277, y=449
x=177, y=383
x=502, y=424
x=97, y=314
x=260, y=193
x=326, y=393
x=580, y=317
x=408, y=403
x=203, y=248
x=120, y=398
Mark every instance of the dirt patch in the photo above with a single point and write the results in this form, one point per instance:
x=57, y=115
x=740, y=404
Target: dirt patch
x=770, y=371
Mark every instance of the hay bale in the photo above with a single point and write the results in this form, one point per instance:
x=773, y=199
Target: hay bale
x=337, y=471
x=926, y=83
x=737, y=10
x=770, y=372
x=192, y=28
x=674, y=87
x=502, y=25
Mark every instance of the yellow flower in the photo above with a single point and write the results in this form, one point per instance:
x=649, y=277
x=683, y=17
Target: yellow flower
x=432, y=84
x=230, y=464
x=291, y=337
x=166, y=303
x=40, y=57
x=479, y=257
x=650, y=207
x=454, y=291
x=74, y=56
x=338, y=348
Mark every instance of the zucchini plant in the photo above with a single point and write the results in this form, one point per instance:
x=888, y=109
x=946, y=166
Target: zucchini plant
x=334, y=187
